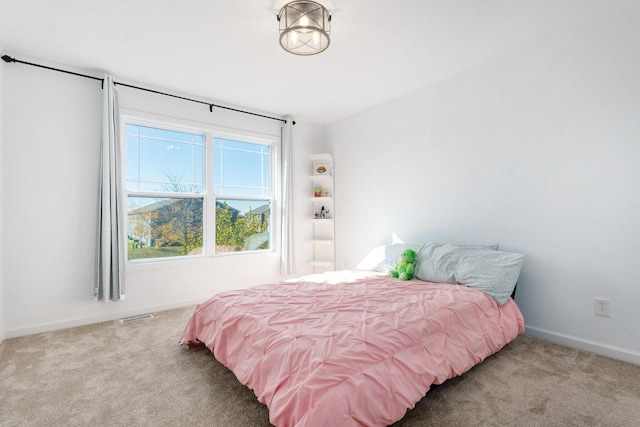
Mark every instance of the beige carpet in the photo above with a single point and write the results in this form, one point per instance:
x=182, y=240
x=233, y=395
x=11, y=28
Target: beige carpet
x=135, y=374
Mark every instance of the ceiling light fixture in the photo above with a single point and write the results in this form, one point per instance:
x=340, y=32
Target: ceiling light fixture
x=304, y=27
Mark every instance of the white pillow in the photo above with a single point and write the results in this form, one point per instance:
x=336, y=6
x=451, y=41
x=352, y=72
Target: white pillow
x=493, y=272
x=384, y=258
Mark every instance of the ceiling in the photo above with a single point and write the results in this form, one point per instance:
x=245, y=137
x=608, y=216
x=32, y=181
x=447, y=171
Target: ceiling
x=227, y=51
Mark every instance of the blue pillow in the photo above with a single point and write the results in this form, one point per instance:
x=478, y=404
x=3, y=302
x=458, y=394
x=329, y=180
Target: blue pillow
x=493, y=272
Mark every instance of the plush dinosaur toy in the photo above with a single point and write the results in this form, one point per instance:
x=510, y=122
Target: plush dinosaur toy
x=404, y=268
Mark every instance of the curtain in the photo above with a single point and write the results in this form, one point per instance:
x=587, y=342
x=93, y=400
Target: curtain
x=288, y=261
x=109, y=281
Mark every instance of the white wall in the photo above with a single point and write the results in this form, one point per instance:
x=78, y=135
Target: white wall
x=2, y=334
x=537, y=151
x=52, y=134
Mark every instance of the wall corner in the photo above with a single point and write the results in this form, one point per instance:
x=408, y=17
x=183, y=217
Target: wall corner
x=2, y=333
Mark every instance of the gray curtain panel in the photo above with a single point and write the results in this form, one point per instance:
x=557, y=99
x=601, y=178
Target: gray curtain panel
x=288, y=261
x=109, y=281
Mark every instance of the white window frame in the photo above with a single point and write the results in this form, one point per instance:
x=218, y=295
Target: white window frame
x=209, y=131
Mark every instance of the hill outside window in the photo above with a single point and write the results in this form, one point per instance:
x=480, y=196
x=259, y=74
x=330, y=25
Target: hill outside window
x=194, y=193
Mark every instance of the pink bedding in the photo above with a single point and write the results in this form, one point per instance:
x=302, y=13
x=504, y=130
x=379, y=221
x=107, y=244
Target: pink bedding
x=350, y=348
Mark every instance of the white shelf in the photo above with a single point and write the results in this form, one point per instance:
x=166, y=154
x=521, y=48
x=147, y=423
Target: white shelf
x=323, y=241
x=322, y=157
x=317, y=263
x=322, y=220
x=323, y=228
x=327, y=178
x=326, y=199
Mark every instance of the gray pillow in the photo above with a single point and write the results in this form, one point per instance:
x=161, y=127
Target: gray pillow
x=493, y=272
x=495, y=246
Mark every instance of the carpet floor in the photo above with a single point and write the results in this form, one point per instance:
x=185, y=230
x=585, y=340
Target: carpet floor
x=135, y=374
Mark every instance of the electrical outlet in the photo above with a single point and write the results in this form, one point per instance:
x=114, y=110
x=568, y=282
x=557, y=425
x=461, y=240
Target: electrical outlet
x=601, y=307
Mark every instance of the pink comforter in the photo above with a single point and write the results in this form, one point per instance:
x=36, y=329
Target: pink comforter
x=350, y=348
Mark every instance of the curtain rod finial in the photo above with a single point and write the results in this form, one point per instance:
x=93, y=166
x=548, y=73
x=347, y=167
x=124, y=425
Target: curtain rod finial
x=7, y=58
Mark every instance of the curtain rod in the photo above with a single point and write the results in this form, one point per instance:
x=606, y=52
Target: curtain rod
x=8, y=59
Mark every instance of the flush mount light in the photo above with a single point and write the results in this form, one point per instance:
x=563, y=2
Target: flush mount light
x=304, y=27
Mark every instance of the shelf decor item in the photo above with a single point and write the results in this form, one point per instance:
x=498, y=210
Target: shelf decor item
x=317, y=191
x=322, y=169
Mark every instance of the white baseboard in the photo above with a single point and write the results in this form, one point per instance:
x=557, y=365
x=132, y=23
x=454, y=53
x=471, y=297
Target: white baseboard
x=72, y=323
x=619, y=353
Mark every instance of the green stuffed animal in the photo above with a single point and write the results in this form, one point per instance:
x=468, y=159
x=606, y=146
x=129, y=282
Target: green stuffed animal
x=404, y=268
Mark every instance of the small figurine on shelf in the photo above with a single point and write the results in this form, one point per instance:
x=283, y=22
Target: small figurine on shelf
x=323, y=214
x=317, y=191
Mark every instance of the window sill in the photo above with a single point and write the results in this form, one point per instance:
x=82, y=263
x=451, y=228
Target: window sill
x=181, y=262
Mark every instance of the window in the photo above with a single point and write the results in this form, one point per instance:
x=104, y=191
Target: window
x=196, y=192
x=241, y=185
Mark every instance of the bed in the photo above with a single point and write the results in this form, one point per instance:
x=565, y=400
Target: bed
x=354, y=348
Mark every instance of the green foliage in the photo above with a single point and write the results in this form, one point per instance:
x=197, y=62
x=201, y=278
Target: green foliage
x=225, y=235
x=180, y=224
x=176, y=228
x=153, y=251
x=233, y=234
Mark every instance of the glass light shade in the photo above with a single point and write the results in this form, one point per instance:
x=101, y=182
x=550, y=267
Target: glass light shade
x=304, y=27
